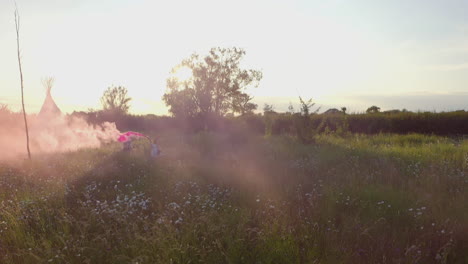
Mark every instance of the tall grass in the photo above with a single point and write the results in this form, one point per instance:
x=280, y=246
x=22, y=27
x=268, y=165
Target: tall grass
x=214, y=198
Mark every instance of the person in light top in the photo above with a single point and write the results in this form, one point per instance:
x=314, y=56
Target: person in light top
x=155, y=151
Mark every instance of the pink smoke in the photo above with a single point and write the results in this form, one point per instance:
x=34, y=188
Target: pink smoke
x=129, y=135
x=52, y=134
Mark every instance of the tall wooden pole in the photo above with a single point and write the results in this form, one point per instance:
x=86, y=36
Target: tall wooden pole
x=17, y=22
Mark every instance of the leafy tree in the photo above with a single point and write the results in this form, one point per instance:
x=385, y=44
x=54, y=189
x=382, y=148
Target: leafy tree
x=373, y=109
x=116, y=99
x=268, y=108
x=242, y=104
x=217, y=85
x=343, y=109
x=307, y=106
x=303, y=124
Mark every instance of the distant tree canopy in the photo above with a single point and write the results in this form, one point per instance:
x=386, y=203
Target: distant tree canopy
x=116, y=99
x=268, y=108
x=373, y=109
x=216, y=86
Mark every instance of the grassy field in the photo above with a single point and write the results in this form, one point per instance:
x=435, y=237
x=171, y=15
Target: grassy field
x=239, y=199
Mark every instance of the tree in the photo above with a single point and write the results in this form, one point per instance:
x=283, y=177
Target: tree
x=303, y=123
x=116, y=99
x=216, y=86
x=268, y=108
x=343, y=109
x=307, y=106
x=242, y=104
x=17, y=27
x=373, y=109
x=182, y=102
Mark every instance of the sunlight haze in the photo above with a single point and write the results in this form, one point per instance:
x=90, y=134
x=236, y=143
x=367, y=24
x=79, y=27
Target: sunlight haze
x=394, y=54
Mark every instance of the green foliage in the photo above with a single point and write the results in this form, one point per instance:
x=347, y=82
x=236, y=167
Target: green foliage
x=445, y=123
x=307, y=106
x=216, y=86
x=373, y=109
x=273, y=123
x=116, y=100
x=303, y=124
x=254, y=123
x=241, y=103
x=268, y=108
x=215, y=199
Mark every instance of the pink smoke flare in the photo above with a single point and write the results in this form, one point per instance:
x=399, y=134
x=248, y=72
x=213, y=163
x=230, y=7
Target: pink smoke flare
x=129, y=135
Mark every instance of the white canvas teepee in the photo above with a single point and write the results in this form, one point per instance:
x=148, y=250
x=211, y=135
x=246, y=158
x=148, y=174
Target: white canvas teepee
x=49, y=108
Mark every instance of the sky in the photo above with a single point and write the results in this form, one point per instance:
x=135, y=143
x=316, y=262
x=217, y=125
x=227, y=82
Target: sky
x=341, y=53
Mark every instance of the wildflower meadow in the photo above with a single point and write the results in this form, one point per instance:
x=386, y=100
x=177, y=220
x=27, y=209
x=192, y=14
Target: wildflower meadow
x=257, y=199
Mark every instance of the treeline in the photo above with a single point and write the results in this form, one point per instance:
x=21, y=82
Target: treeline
x=295, y=124
x=444, y=123
x=272, y=123
x=250, y=123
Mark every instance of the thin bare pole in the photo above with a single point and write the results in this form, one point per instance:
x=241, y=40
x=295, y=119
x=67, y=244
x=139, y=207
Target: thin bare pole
x=17, y=23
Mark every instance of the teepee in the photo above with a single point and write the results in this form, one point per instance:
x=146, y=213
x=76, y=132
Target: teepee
x=49, y=108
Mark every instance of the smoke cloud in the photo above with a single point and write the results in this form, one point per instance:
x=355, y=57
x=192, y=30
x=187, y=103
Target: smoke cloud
x=49, y=134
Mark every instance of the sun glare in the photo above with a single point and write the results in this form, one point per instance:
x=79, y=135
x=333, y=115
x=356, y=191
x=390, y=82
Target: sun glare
x=183, y=74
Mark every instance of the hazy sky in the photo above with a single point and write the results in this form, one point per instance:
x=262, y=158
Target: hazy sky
x=395, y=53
